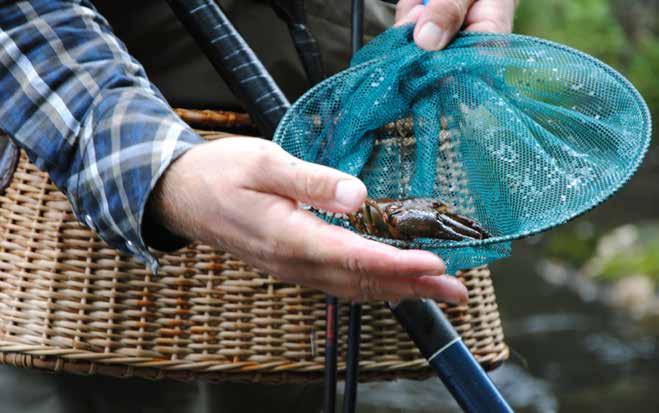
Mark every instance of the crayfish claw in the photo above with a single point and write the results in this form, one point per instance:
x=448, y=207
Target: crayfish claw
x=469, y=226
x=406, y=219
x=459, y=228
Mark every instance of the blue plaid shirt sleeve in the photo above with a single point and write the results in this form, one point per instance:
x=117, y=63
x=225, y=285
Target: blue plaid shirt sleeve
x=84, y=111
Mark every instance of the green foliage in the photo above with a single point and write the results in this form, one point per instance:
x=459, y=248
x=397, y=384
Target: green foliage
x=596, y=27
x=643, y=260
x=587, y=25
x=631, y=249
x=642, y=71
x=573, y=244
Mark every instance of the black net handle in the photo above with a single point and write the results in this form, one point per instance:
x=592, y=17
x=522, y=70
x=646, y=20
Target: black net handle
x=292, y=12
x=235, y=61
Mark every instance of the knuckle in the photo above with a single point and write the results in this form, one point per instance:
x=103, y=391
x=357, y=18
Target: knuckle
x=495, y=26
x=451, y=11
x=370, y=288
x=262, y=157
x=403, y=7
x=501, y=27
x=277, y=267
x=354, y=264
x=269, y=250
x=396, y=266
x=313, y=184
x=280, y=249
x=415, y=292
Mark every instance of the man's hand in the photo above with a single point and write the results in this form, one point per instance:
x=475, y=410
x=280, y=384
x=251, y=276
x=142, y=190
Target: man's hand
x=241, y=195
x=440, y=20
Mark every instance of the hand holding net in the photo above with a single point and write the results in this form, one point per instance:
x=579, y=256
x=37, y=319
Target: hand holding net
x=518, y=133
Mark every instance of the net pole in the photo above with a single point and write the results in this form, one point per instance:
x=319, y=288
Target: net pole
x=293, y=13
x=442, y=346
x=355, y=317
x=234, y=60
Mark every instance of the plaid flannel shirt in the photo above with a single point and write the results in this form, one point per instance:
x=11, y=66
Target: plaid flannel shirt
x=84, y=111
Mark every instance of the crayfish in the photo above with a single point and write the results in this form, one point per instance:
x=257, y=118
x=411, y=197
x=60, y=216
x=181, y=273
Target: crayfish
x=405, y=219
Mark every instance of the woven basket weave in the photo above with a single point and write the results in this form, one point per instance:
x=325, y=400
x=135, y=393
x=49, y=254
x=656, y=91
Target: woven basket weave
x=70, y=303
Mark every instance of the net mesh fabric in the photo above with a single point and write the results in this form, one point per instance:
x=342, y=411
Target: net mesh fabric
x=519, y=133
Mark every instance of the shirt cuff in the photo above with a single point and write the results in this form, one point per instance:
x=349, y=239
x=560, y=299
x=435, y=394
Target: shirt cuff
x=121, y=165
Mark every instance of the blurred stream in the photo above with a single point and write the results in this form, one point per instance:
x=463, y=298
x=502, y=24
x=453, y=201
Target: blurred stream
x=570, y=354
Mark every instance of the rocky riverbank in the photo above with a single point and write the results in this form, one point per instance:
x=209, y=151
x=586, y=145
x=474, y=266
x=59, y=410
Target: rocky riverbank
x=619, y=267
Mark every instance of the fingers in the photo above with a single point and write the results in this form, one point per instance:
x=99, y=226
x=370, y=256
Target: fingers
x=316, y=185
x=404, y=7
x=344, y=249
x=492, y=16
x=311, y=240
x=442, y=288
x=373, y=288
x=439, y=22
x=338, y=261
x=411, y=17
x=364, y=286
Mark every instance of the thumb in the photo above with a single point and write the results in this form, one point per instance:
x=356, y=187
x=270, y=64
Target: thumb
x=310, y=183
x=439, y=22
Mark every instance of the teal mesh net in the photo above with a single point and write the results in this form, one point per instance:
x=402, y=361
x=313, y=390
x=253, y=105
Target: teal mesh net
x=518, y=133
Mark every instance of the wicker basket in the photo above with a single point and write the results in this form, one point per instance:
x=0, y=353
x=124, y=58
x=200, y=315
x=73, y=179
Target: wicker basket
x=70, y=303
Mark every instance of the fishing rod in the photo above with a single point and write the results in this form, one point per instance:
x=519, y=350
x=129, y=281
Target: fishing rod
x=234, y=60
x=293, y=13
x=355, y=316
x=331, y=332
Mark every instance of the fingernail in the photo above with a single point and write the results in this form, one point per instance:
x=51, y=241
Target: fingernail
x=350, y=194
x=431, y=37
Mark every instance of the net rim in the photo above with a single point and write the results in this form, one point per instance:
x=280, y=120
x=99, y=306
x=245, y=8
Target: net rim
x=431, y=243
